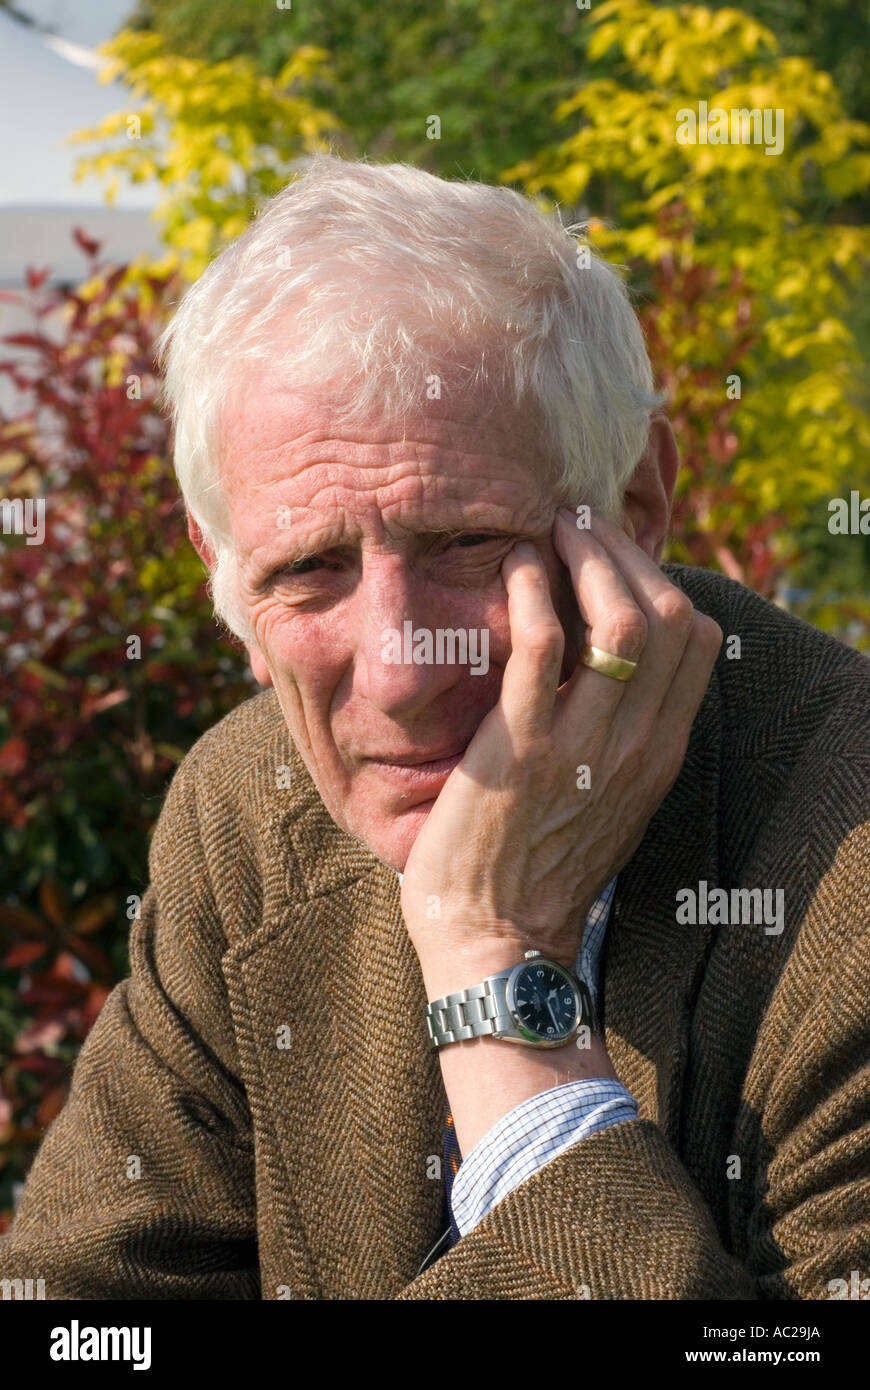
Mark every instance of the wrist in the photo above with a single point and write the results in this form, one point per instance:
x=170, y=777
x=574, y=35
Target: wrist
x=581, y=1059
x=451, y=971
x=453, y=967
x=484, y=1079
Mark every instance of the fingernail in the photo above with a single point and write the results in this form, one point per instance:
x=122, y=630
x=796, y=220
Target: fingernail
x=524, y=550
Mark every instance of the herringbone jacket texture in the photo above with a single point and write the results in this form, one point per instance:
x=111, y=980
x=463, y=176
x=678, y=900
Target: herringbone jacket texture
x=267, y=1065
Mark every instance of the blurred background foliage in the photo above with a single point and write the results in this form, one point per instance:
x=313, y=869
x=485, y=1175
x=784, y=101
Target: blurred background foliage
x=111, y=668
x=744, y=267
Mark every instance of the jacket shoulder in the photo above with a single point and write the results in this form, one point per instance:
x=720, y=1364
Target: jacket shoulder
x=781, y=681
x=220, y=763
x=226, y=748
x=793, y=708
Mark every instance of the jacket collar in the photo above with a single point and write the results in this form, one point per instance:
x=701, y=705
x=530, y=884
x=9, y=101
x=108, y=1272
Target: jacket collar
x=349, y=1094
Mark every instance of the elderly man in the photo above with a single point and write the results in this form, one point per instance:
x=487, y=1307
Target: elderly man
x=514, y=856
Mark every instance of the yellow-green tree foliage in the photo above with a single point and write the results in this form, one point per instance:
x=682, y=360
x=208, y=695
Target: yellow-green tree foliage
x=745, y=260
x=768, y=218
x=218, y=137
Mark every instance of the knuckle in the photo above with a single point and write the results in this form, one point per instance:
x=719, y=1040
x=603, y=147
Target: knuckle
x=643, y=728
x=538, y=752
x=627, y=631
x=675, y=610
x=632, y=760
x=708, y=632
x=543, y=638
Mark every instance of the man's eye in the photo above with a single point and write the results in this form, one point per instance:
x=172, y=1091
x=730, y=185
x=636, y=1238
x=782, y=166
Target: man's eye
x=301, y=566
x=313, y=562
x=473, y=538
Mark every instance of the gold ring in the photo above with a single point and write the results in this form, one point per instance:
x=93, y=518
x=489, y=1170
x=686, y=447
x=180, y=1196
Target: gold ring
x=608, y=664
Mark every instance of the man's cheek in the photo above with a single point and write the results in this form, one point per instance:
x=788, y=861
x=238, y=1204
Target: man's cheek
x=279, y=638
x=494, y=620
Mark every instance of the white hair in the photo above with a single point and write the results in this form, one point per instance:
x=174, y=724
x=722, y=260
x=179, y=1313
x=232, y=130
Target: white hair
x=362, y=282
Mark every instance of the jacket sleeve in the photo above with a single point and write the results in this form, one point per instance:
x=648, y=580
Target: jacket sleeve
x=530, y=1136
x=618, y=1216
x=143, y=1186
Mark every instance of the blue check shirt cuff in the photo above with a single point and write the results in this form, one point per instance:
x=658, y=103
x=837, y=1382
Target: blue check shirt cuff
x=531, y=1135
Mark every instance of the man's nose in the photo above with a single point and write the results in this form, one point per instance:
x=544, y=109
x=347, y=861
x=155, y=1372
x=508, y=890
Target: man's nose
x=395, y=612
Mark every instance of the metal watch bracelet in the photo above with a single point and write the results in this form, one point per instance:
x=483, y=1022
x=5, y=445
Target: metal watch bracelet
x=482, y=1010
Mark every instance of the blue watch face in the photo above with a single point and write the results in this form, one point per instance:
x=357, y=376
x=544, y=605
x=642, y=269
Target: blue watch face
x=544, y=1000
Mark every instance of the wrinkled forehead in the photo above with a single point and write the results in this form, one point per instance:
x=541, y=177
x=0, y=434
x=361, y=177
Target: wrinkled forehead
x=269, y=430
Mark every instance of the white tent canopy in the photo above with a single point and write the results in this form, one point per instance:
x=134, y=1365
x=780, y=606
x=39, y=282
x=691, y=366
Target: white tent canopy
x=48, y=89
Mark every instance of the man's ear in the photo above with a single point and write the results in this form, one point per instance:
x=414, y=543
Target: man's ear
x=650, y=493
x=262, y=674
x=200, y=544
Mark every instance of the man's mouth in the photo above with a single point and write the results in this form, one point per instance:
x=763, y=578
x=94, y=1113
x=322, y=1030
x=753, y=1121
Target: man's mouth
x=417, y=769
x=416, y=759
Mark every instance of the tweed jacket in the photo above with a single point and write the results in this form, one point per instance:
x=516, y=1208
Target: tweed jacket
x=256, y=1111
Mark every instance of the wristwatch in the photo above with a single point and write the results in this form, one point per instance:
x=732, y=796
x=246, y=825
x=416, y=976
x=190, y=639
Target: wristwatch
x=537, y=1002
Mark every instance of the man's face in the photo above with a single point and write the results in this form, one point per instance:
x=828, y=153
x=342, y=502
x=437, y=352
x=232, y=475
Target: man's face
x=400, y=530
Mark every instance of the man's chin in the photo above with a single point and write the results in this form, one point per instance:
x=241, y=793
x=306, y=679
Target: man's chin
x=392, y=840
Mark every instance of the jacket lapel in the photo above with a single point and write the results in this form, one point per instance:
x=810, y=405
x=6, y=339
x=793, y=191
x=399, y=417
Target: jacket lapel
x=653, y=964
x=353, y=1098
